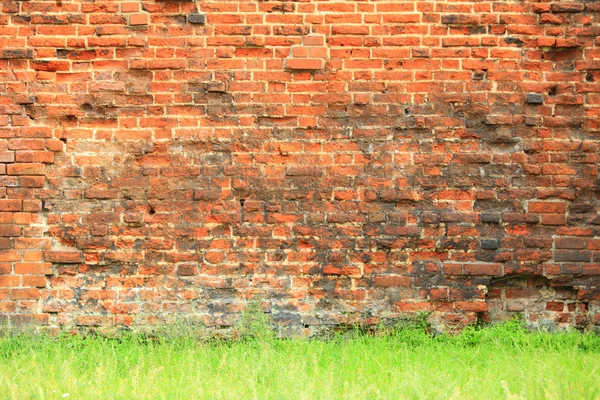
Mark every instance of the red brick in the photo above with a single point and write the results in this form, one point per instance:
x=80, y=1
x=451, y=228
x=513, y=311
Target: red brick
x=63, y=257
x=314, y=40
x=11, y=205
x=17, y=54
x=460, y=19
x=572, y=256
x=34, y=281
x=555, y=306
x=33, y=268
x=139, y=19
x=300, y=52
x=46, y=75
x=439, y=294
x=9, y=230
x=187, y=270
x=8, y=307
x=53, y=65
x=26, y=169
x=547, y=207
x=130, y=6
x=569, y=243
x=9, y=281
x=413, y=306
x=304, y=64
x=567, y=7
x=10, y=256
x=392, y=281
x=483, y=269
x=471, y=306
x=347, y=270
x=554, y=219
x=7, y=156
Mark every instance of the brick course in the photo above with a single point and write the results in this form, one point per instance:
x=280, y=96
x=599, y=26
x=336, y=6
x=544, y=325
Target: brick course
x=344, y=162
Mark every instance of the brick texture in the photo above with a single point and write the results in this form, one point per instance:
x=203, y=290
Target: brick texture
x=344, y=162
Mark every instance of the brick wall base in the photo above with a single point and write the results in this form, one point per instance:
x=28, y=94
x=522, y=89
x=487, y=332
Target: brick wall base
x=342, y=162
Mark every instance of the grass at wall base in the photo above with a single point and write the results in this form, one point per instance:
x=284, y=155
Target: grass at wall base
x=497, y=362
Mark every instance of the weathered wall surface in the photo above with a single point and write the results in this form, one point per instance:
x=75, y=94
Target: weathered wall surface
x=342, y=161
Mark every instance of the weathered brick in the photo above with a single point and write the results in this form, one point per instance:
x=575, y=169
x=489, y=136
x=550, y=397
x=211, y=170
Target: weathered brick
x=460, y=19
x=187, y=270
x=9, y=230
x=7, y=156
x=489, y=244
x=26, y=169
x=472, y=306
x=327, y=155
x=11, y=205
x=551, y=207
x=16, y=54
x=334, y=270
x=392, y=281
x=483, y=269
x=569, y=243
x=574, y=256
x=196, y=18
x=63, y=257
x=535, y=98
x=567, y=7
x=554, y=219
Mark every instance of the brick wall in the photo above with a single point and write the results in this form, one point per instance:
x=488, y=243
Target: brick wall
x=342, y=161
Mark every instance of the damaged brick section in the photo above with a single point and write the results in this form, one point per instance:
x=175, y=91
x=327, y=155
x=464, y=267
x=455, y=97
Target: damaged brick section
x=342, y=162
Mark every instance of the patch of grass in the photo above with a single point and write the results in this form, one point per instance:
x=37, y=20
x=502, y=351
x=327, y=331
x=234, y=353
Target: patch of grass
x=496, y=362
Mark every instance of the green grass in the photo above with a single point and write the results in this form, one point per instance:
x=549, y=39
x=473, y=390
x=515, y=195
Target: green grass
x=498, y=362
